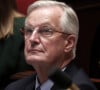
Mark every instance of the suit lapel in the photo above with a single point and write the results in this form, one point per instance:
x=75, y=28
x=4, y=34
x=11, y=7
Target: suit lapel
x=31, y=85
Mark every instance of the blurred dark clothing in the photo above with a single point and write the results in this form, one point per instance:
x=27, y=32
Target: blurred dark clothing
x=11, y=54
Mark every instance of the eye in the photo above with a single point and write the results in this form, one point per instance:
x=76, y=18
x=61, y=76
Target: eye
x=46, y=31
x=28, y=31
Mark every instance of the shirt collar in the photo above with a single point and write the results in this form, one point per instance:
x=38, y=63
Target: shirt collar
x=45, y=86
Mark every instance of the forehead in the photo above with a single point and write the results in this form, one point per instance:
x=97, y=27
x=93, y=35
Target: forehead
x=44, y=15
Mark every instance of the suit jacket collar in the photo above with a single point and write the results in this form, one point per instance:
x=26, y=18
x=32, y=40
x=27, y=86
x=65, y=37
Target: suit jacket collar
x=71, y=69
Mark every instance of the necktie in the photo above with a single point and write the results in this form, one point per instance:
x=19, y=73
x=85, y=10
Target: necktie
x=38, y=88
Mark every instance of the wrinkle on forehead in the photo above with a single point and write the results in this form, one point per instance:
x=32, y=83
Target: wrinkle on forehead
x=43, y=15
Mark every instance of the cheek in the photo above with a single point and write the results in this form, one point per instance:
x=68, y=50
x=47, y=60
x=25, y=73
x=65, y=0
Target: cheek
x=54, y=53
x=27, y=54
x=54, y=47
x=27, y=45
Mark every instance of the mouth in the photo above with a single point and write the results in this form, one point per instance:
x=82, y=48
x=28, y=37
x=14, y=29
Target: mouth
x=34, y=50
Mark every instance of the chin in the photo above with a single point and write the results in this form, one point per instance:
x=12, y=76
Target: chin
x=33, y=59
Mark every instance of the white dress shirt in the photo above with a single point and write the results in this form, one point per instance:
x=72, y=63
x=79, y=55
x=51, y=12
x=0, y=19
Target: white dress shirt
x=45, y=86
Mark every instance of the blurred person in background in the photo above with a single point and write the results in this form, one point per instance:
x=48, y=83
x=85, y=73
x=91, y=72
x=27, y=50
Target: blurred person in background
x=11, y=43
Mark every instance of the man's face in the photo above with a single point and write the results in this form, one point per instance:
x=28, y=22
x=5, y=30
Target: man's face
x=40, y=47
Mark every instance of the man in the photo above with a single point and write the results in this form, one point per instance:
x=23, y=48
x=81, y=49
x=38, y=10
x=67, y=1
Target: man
x=51, y=33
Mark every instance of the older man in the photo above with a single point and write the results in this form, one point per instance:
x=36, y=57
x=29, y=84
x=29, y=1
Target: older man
x=51, y=33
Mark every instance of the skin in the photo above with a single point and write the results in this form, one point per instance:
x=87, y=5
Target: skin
x=47, y=52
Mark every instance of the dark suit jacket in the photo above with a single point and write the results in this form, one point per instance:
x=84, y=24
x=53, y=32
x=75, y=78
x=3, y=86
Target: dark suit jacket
x=77, y=75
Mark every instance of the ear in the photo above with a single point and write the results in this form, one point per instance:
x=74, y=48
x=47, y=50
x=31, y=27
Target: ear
x=69, y=43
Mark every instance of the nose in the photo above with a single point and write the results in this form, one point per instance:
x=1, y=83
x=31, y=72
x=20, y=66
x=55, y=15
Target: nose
x=34, y=37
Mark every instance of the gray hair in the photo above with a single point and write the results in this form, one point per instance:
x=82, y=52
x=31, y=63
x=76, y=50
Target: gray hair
x=69, y=20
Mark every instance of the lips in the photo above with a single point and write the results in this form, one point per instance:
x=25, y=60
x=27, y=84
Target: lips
x=34, y=50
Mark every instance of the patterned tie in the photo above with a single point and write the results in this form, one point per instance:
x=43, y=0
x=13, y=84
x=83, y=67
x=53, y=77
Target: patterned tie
x=38, y=88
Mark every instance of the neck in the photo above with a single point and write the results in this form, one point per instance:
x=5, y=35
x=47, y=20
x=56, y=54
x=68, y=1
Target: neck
x=42, y=76
x=42, y=73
